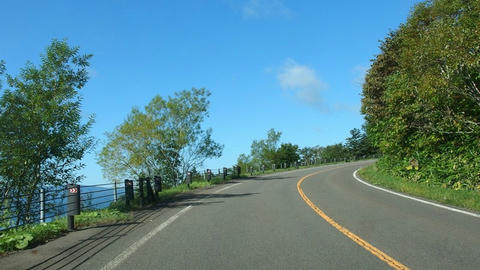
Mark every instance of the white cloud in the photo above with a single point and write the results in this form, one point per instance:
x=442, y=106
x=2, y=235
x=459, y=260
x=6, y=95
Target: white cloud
x=265, y=8
x=359, y=73
x=302, y=81
x=92, y=73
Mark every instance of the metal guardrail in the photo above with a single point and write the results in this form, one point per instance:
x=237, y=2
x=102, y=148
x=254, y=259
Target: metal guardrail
x=49, y=203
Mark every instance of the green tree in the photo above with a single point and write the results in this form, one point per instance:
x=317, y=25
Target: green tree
x=335, y=152
x=244, y=161
x=358, y=145
x=165, y=139
x=42, y=139
x=287, y=153
x=309, y=155
x=422, y=105
x=262, y=152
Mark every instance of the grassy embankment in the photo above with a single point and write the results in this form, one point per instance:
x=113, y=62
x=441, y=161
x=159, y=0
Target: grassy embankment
x=36, y=234
x=468, y=199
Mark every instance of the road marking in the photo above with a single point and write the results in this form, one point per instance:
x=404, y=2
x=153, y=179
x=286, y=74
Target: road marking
x=130, y=250
x=135, y=246
x=225, y=188
x=415, y=199
x=375, y=251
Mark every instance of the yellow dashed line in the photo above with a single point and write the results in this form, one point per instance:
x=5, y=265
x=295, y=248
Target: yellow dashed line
x=375, y=251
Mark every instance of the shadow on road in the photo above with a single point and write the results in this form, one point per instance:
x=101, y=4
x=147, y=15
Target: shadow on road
x=79, y=250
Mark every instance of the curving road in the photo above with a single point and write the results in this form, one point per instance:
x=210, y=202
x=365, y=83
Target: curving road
x=265, y=223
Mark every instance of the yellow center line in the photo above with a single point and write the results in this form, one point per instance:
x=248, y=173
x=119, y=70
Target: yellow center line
x=375, y=251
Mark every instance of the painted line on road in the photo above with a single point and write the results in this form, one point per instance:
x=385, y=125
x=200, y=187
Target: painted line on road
x=225, y=188
x=135, y=246
x=370, y=248
x=415, y=199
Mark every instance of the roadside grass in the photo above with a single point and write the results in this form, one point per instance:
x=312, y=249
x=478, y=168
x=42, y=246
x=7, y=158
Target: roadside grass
x=169, y=193
x=468, y=199
x=29, y=236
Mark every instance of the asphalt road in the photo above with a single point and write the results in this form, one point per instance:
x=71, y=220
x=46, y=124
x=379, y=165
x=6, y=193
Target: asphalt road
x=264, y=223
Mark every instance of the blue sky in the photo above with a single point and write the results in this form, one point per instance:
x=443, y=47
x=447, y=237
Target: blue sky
x=296, y=66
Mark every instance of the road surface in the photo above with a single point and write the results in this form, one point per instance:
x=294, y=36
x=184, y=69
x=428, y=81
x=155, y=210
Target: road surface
x=275, y=222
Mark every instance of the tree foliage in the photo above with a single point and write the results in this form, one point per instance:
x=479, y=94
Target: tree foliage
x=42, y=139
x=421, y=95
x=287, y=153
x=164, y=139
x=358, y=145
x=266, y=152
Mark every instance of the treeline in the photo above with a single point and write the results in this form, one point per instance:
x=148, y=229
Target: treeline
x=421, y=96
x=269, y=151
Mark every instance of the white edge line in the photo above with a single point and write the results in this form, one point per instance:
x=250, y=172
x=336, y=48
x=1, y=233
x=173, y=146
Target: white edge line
x=135, y=246
x=415, y=199
x=225, y=188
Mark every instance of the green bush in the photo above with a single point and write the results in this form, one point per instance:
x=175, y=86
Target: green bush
x=421, y=99
x=32, y=235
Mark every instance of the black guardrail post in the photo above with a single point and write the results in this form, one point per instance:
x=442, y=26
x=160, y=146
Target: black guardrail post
x=115, y=194
x=209, y=175
x=149, y=190
x=189, y=178
x=42, y=205
x=157, y=184
x=128, y=192
x=73, y=202
x=140, y=192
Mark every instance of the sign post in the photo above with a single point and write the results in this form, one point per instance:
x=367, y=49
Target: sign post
x=73, y=205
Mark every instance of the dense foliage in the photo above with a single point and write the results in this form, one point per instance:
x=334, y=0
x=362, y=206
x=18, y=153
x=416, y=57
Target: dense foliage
x=42, y=137
x=166, y=139
x=421, y=96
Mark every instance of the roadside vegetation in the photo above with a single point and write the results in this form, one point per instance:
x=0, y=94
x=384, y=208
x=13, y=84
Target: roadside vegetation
x=31, y=235
x=269, y=153
x=421, y=101
x=468, y=199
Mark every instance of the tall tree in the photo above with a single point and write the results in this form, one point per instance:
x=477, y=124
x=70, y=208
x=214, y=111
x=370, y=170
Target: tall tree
x=263, y=151
x=165, y=139
x=358, y=145
x=42, y=138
